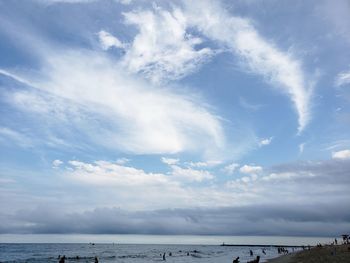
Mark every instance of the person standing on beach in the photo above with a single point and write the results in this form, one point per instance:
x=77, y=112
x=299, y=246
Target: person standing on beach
x=164, y=256
x=96, y=260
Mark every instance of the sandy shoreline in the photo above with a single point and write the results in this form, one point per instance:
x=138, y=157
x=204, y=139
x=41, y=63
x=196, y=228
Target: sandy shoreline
x=323, y=254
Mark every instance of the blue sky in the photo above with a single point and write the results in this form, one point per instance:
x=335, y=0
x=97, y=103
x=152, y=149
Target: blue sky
x=150, y=112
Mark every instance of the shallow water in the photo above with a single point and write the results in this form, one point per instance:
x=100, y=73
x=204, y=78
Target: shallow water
x=40, y=253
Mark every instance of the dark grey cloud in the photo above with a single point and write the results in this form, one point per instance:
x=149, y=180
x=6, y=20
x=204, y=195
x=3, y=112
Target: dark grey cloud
x=302, y=219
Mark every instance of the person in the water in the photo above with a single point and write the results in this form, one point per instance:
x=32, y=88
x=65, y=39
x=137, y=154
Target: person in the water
x=62, y=259
x=236, y=260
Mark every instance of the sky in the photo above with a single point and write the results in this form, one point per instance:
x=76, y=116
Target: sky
x=175, y=117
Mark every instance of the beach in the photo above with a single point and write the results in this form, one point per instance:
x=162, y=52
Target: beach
x=326, y=254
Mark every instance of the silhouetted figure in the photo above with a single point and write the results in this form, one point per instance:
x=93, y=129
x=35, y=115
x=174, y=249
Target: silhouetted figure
x=255, y=260
x=345, y=239
x=96, y=260
x=62, y=259
x=251, y=252
x=164, y=256
x=188, y=253
x=236, y=260
x=170, y=254
x=282, y=250
x=264, y=252
x=335, y=241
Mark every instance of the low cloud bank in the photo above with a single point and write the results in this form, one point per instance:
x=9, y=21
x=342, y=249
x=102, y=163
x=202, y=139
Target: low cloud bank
x=303, y=220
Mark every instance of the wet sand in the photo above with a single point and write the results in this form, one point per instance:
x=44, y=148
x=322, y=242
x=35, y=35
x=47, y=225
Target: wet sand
x=317, y=255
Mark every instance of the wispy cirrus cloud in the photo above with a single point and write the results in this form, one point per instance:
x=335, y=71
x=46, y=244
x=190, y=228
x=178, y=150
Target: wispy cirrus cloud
x=163, y=48
x=258, y=55
x=342, y=78
x=8, y=135
x=121, y=111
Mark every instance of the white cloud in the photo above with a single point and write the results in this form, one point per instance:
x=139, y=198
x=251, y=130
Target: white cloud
x=107, y=173
x=258, y=54
x=209, y=163
x=250, y=169
x=116, y=110
x=302, y=178
x=286, y=176
x=301, y=147
x=56, y=163
x=344, y=154
x=169, y=161
x=108, y=41
x=266, y=141
x=342, y=78
x=189, y=174
x=229, y=169
x=131, y=187
x=163, y=49
x=197, y=164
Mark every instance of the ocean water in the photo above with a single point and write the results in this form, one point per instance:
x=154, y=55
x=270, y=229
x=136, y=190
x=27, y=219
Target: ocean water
x=108, y=253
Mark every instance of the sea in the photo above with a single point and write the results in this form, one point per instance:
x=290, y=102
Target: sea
x=120, y=252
